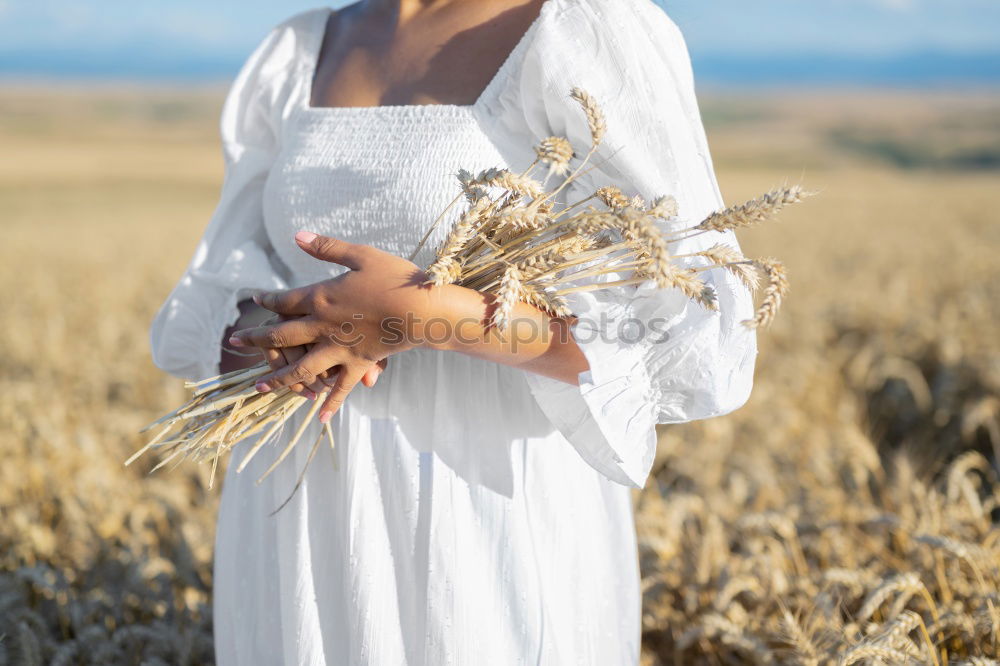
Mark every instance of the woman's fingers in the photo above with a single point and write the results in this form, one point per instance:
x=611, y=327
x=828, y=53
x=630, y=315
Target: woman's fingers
x=305, y=370
x=371, y=375
x=319, y=385
x=287, y=302
x=275, y=359
x=292, y=355
x=279, y=358
x=347, y=379
x=329, y=378
x=285, y=334
x=333, y=250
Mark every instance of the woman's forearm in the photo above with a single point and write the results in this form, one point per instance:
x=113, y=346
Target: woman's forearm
x=534, y=341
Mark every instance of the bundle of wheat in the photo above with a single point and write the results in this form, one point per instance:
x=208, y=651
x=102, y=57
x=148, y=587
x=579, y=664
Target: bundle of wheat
x=225, y=410
x=514, y=243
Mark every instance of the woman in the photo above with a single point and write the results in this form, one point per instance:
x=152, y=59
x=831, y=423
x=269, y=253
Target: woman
x=477, y=506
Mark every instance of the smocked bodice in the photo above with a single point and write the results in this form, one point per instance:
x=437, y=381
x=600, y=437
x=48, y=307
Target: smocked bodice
x=372, y=175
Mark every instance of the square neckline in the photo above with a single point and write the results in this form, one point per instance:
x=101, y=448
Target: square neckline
x=495, y=81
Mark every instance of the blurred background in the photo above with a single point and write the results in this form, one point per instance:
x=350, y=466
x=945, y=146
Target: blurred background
x=848, y=512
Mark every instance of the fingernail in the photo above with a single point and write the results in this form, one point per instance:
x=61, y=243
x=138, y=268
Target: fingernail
x=309, y=393
x=262, y=387
x=305, y=237
x=324, y=417
x=235, y=341
x=256, y=298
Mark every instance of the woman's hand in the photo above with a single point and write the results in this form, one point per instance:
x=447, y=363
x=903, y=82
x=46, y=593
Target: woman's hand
x=349, y=323
x=281, y=358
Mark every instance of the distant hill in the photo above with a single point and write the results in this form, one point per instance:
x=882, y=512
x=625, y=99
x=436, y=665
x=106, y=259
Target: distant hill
x=118, y=64
x=907, y=69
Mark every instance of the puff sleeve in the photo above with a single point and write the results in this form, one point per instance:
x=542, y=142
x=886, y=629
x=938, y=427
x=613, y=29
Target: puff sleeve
x=234, y=255
x=654, y=356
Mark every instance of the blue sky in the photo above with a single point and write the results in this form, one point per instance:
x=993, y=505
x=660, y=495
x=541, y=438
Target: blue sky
x=189, y=38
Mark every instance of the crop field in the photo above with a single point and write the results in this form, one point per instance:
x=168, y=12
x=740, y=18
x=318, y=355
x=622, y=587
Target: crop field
x=849, y=513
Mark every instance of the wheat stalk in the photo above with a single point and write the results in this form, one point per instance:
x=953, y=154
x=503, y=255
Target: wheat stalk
x=755, y=211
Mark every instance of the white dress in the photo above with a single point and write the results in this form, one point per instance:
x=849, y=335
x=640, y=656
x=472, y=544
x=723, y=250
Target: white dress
x=471, y=513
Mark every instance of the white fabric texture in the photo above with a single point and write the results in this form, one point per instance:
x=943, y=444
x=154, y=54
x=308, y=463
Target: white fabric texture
x=471, y=512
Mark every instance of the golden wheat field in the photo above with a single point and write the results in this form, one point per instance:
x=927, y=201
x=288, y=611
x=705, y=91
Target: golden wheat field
x=848, y=514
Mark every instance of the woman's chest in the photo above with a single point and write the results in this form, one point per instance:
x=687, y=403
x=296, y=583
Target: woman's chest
x=373, y=175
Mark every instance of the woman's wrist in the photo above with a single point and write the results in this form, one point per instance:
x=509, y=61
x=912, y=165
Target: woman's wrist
x=459, y=321
x=454, y=319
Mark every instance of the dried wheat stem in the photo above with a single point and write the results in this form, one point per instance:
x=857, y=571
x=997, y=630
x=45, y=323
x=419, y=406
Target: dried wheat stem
x=555, y=151
x=603, y=285
x=227, y=380
x=507, y=296
x=598, y=128
x=295, y=401
x=159, y=436
x=434, y=225
x=317, y=403
x=755, y=211
x=613, y=198
x=302, y=474
x=774, y=292
x=595, y=117
x=508, y=180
